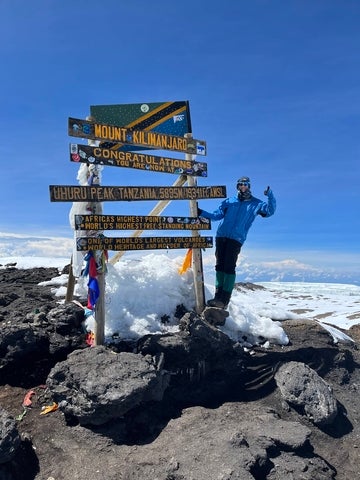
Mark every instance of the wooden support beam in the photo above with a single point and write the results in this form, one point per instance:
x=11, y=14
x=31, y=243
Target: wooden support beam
x=197, y=265
x=159, y=207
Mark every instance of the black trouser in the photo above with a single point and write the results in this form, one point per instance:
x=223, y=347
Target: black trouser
x=226, y=253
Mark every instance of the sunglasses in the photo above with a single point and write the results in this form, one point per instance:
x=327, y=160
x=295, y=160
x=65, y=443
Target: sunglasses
x=243, y=184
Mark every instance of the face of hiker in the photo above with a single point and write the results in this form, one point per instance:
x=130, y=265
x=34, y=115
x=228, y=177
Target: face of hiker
x=243, y=184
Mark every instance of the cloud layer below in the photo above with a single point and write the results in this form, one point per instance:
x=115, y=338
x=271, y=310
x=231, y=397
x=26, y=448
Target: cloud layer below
x=251, y=267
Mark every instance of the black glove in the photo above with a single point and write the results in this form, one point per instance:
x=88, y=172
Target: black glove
x=266, y=192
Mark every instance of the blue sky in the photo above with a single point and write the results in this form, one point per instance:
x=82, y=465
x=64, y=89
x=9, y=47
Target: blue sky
x=274, y=90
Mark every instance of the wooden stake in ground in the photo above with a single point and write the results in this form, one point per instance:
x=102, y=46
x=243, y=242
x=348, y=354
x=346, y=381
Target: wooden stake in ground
x=70, y=285
x=197, y=264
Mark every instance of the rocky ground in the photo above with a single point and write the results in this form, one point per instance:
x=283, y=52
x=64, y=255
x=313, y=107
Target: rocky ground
x=224, y=426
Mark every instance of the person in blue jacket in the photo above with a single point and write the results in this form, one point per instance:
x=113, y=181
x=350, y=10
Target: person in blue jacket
x=237, y=215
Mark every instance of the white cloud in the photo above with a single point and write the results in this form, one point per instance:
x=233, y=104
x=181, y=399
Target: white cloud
x=26, y=245
x=288, y=264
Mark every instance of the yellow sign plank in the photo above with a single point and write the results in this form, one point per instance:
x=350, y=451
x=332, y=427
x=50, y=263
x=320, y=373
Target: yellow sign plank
x=150, y=139
x=137, y=222
x=136, y=160
x=71, y=193
x=142, y=243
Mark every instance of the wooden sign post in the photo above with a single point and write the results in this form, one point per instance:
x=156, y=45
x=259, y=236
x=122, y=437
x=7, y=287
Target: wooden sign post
x=110, y=145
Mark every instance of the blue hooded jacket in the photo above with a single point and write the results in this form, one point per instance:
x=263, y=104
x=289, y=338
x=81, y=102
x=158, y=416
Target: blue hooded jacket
x=237, y=215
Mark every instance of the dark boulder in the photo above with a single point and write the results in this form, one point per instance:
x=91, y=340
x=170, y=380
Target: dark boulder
x=303, y=388
x=97, y=385
x=9, y=437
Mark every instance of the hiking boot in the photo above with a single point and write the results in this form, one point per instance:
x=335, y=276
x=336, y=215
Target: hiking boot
x=225, y=297
x=216, y=302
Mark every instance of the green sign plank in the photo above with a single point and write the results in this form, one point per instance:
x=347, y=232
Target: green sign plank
x=71, y=193
x=135, y=222
x=140, y=161
x=171, y=118
x=123, y=135
x=142, y=243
